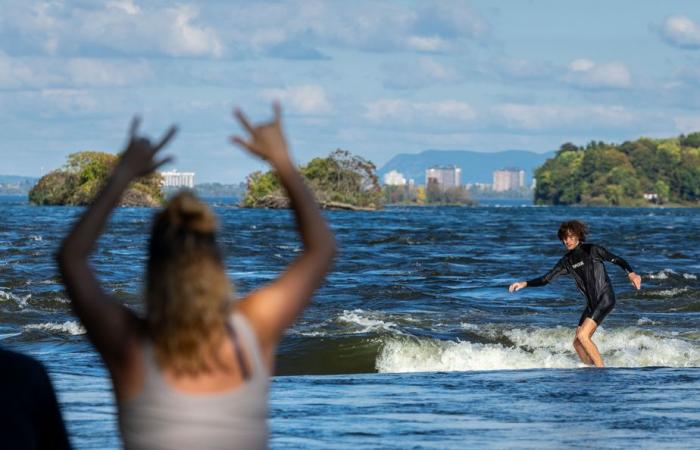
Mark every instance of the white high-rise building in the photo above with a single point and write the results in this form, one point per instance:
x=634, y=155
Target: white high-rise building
x=178, y=179
x=443, y=176
x=508, y=179
x=394, y=178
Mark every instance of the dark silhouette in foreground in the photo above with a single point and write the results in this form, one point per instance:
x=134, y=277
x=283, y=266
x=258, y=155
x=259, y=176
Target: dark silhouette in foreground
x=29, y=417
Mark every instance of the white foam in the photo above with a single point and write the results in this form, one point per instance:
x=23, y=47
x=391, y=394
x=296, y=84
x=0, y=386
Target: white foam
x=690, y=276
x=536, y=348
x=646, y=321
x=423, y=355
x=672, y=292
x=312, y=333
x=469, y=326
x=70, y=327
x=661, y=275
x=366, y=320
x=36, y=238
x=19, y=299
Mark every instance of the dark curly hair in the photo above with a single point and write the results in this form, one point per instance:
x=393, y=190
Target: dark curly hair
x=575, y=227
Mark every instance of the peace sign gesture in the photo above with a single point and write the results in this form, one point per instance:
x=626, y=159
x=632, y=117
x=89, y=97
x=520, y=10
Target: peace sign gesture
x=267, y=140
x=138, y=159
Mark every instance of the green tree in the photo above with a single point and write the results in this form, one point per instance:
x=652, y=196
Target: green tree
x=83, y=176
x=339, y=178
x=607, y=174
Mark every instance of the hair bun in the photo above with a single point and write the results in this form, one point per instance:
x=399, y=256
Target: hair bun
x=188, y=213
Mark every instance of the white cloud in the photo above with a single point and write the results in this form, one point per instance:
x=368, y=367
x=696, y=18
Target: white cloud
x=100, y=73
x=190, y=39
x=306, y=99
x=682, y=32
x=70, y=101
x=426, y=44
x=581, y=65
x=407, y=111
x=119, y=26
x=14, y=73
x=687, y=124
x=215, y=29
x=543, y=117
x=127, y=6
x=585, y=73
x=426, y=72
x=39, y=73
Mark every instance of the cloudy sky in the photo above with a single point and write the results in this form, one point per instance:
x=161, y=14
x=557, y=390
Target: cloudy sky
x=374, y=77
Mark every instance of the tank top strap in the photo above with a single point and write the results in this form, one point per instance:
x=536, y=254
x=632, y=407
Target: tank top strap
x=248, y=338
x=151, y=372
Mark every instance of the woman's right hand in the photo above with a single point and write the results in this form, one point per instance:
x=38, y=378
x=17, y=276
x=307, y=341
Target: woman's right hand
x=517, y=286
x=266, y=140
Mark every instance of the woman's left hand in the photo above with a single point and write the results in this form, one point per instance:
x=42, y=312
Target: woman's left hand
x=138, y=159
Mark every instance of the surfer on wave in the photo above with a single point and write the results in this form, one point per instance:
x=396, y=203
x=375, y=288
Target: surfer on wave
x=584, y=262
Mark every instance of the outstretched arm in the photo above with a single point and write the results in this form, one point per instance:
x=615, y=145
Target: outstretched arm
x=559, y=269
x=604, y=254
x=110, y=325
x=274, y=307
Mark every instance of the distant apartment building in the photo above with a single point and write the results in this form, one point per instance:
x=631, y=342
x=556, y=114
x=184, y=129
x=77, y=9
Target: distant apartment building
x=443, y=176
x=178, y=179
x=394, y=178
x=509, y=179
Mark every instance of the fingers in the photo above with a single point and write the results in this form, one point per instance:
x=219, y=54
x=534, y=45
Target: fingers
x=162, y=162
x=166, y=138
x=134, y=127
x=277, y=108
x=515, y=287
x=243, y=120
x=241, y=142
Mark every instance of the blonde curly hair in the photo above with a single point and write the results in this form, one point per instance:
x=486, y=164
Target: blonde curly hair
x=187, y=290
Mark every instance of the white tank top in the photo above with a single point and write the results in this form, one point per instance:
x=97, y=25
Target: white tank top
x=161, y=417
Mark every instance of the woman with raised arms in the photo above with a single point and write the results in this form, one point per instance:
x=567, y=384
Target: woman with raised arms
x=193, y=372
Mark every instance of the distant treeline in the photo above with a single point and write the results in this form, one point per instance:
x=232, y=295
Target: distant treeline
x=432, y=195
x=234, y=191
x=666, y=170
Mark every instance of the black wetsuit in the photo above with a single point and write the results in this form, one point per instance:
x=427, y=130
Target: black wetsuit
x=585, y=264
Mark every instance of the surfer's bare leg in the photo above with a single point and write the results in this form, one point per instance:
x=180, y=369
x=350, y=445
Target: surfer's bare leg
x=581, y=351
x=583, y=335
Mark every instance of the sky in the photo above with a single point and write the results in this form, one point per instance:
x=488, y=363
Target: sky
x=376, y=78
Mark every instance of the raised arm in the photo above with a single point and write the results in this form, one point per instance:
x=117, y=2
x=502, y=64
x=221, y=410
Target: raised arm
x=110, y=326
x=605, y=255
x=558, y=270
x=274, y=307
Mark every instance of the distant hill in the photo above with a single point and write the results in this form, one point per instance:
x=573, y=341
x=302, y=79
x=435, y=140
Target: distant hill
x=477, y=167
x=9, y=179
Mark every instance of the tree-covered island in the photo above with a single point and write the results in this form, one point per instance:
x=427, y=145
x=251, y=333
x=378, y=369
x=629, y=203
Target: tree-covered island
x=339, y=181
x=79, y=180
x=634, y=173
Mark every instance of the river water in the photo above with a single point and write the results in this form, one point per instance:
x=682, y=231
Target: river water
x=413, y=341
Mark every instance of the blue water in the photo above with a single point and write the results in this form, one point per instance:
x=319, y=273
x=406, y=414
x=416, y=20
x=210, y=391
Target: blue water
x=414, y=341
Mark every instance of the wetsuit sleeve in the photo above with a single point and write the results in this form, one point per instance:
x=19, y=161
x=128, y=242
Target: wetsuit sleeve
x=559, y=269
x=605, y=255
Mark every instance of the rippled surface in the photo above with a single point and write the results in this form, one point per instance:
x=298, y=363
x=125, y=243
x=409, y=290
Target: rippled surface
x=413, y=290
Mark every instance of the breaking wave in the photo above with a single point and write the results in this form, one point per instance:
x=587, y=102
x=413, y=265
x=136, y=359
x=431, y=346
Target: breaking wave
x=536, y=348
